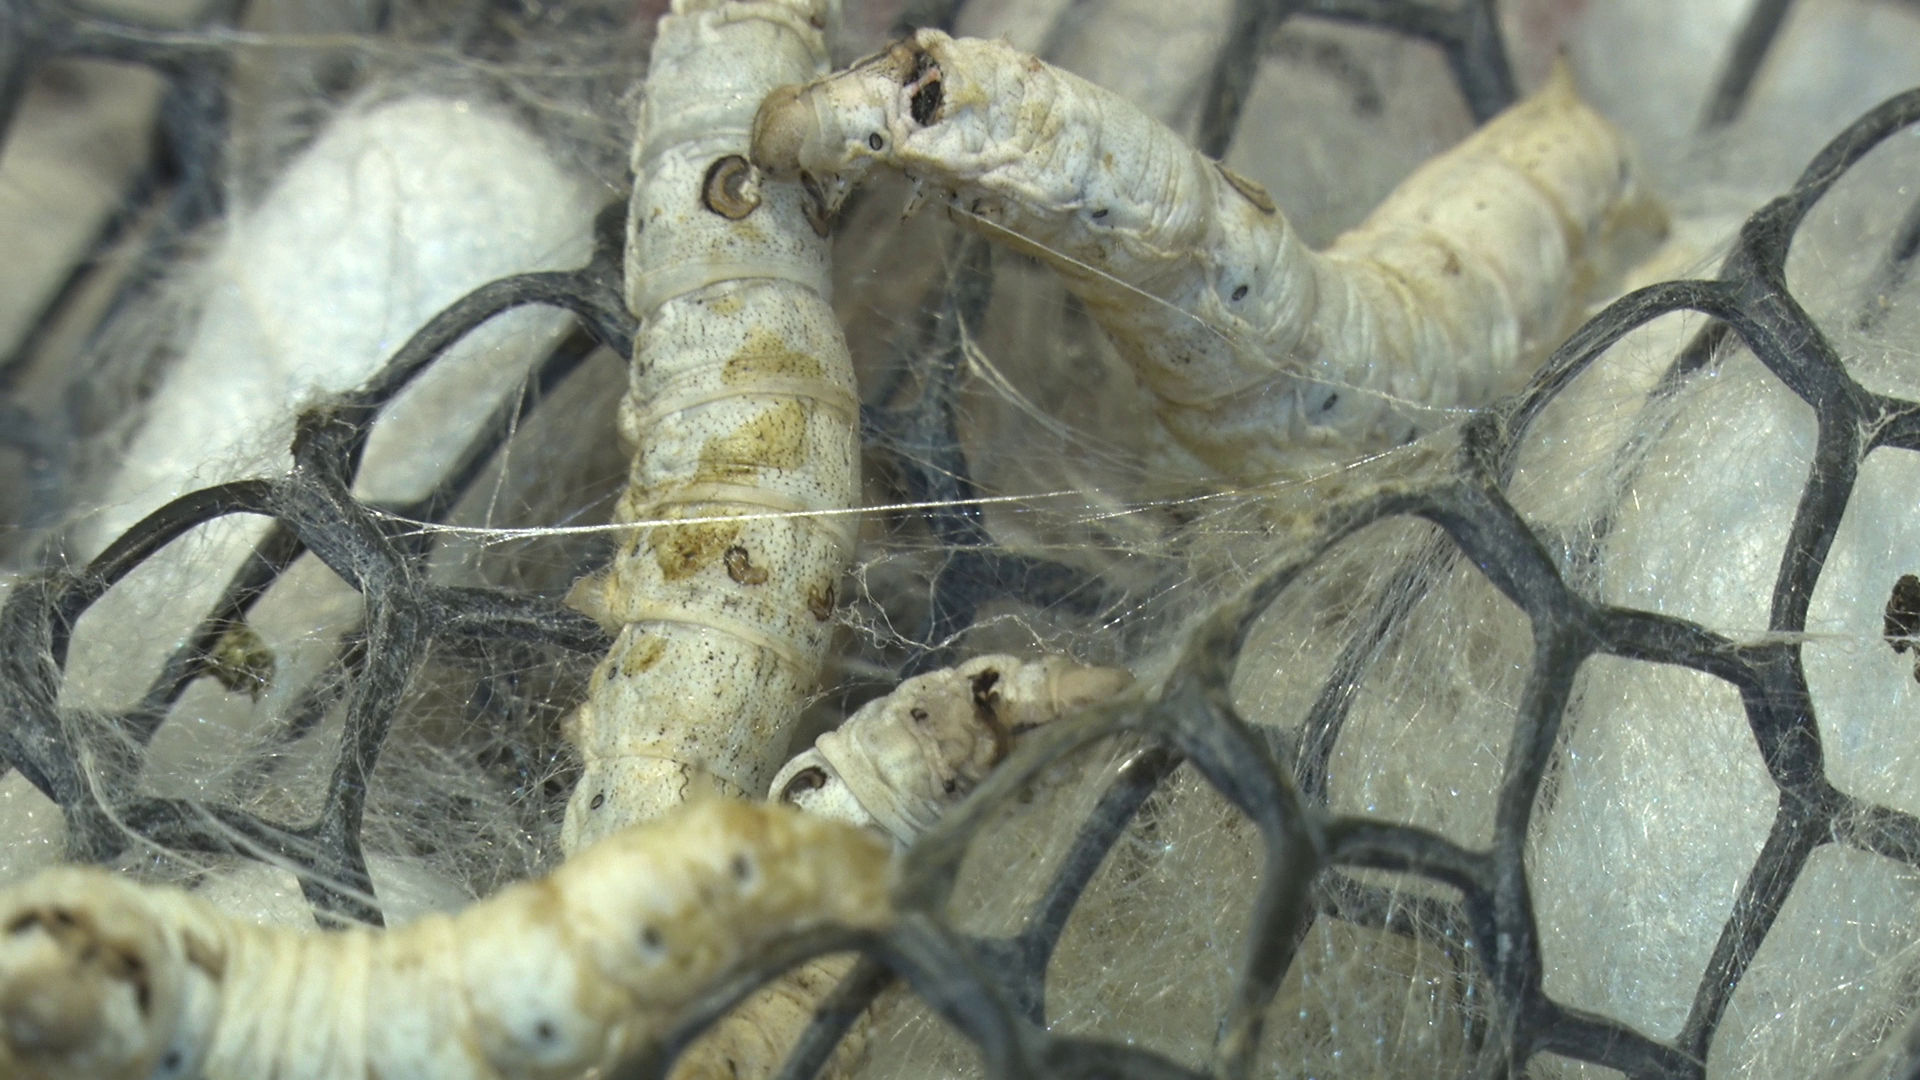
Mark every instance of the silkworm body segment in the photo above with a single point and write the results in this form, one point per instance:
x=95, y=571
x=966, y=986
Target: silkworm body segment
x=1262, y=355
x=901, y=760
x=105, y=979
x=744, y=423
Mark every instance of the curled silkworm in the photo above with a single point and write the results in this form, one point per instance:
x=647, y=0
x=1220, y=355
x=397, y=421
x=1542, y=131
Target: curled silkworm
x=1262, y=355
x=893, y=766
x=744, y=423
x=902, y=759
x=105, y=979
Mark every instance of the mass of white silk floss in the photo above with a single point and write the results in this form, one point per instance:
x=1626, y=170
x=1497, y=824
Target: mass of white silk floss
x=764, y=539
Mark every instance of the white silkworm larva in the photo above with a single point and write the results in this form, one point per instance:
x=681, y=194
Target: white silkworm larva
x=546, y=978
x=898, y=763
x=743, y=415
x=893, y=767
x=1263, y=356
x=105, y=979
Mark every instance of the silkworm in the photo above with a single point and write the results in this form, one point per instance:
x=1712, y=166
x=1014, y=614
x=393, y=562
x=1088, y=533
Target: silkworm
x=1262, y=356
x=898, y=762
x=893, y=767
x=744, y=423
x=102, y=978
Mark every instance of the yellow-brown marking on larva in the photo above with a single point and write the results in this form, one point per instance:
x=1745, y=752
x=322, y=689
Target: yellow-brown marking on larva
x=821, y=602
x=767, y=354
x=741, y=569
x=774, y=439
x=725, y=305
x=684, y=550
x=1253, y=192
x=645, y=652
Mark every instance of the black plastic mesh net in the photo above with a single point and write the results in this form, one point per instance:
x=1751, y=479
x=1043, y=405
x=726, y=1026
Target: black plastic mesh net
x=1313, y=865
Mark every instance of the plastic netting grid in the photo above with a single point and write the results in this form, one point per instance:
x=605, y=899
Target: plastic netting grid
x=994, y=989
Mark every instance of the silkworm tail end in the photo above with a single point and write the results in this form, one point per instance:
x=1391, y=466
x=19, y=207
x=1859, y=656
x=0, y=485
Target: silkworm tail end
x=85, y=980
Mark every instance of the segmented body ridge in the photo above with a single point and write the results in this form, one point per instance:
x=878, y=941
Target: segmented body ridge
x=102, y=978
x=744, y=422
x=1263, y=355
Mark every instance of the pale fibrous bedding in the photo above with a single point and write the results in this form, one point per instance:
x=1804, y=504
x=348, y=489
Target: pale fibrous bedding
x=1144, y=524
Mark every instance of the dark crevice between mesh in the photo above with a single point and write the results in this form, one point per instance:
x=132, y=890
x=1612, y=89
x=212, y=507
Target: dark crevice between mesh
x=178, y=190
x=1798, y=828
x=835, y=1017
x=1468, y=34
x=1313, y=763
x=1893, y=273
x=1231, y=79
x=656, y=1061
x=1750, y=48
x=923, y=441
x=1021, y=961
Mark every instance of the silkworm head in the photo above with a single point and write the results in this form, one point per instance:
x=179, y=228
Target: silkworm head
x=835, y=129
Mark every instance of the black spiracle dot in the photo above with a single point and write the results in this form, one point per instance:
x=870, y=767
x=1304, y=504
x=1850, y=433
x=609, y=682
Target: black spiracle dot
x=1240, y=293
x=876, y=142
x=650, y=938
x=598, y=801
